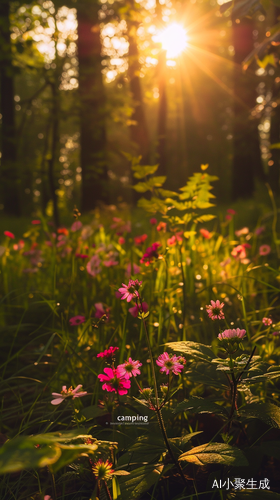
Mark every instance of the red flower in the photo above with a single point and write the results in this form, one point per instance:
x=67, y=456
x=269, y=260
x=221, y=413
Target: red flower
x=63, y=230
x=153, y=221
x=114, y=381
x=138, y=240
x=34, y=222
x=205, y=233
x=81, y=255
x=162, y=227
x=9, y=234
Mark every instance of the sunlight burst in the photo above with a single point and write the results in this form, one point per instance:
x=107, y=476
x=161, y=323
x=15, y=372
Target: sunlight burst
x=173, y=39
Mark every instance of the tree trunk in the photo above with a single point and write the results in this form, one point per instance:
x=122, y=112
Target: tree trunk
x=162, y=114
x=9, y=175
x=247, y=161
x=92, y=108
x=139, y=130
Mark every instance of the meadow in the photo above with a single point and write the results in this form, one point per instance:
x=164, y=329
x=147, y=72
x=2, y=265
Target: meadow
x=140, y=355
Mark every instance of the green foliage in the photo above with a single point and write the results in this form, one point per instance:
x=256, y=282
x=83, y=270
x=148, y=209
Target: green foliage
x=194, y=196
x=267, y=412
x=215, y=453
x=193, y=349
x=200, y=405
x=140, y=480
x=54, y=450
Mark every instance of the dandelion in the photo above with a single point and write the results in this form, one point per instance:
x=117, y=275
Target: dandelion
x=67, y=393
x=232, y=334
x=9, y=234
x=264, y=250
x=108, y=353
x=102, y=470
x=169, y=363
x=134, y=311
x=267, y=321
x=130, y=368
x=205, y=233
x=130, y=291
x=77, y=320
x=215, y=310
x=114, y=381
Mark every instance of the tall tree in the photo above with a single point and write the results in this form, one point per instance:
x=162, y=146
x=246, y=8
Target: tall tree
x=247, y=161
x=9, y=176
x=92, y=107
x=138, y=130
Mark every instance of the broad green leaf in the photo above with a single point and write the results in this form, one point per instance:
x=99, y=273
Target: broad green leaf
x=206, y=373
x=267, y=412
x=139, y=481
x=204, y=204
x=200, y=405
x=193, y=349
x=205, y=218
x=157, y=181
x=23, y=452
x=215, y=453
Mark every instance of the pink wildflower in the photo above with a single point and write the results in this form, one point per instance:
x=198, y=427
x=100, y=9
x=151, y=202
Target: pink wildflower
x=176, y=238
x=100, y=311
x=228, y=217
x=110, y=262
x=138, y=240
x=232, y=334
x=264, y=250
x=215, y=310
x=121, y=240
x=66, y=393
x=77, y=320
x=153, y=221
x=35, y=222
x=114, y=381
x=130, y=291
x=205, y=233
x=150, y=254
x=108, y=353
x=19, y=245
x=231, y=211
x=267, y=321
x=76, y=226
x=134, y=311
x=169, y=363
x=259, y=230
x=130, y=368
x=241, y=232
x=93, y=266
x=9, y=234
x=81, y=256
x=239, y=252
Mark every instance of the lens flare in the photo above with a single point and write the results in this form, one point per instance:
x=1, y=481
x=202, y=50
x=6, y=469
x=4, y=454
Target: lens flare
x=173, y=39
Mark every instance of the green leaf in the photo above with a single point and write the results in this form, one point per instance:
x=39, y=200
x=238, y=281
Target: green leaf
x=200, y=405
x=139, y=481
x=205, y=218
x=267, y=412
x=215, y=453
x=141, y=187
x=121, y=473
x=23, y=452
x=276, y=145
x=142, y=171
x=193, y=349
x=157, y=181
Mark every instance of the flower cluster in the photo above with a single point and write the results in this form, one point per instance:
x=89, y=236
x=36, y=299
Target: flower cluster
x=115, y=381
x=150, y=254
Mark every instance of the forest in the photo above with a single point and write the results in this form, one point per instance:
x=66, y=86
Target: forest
x=139, y=249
